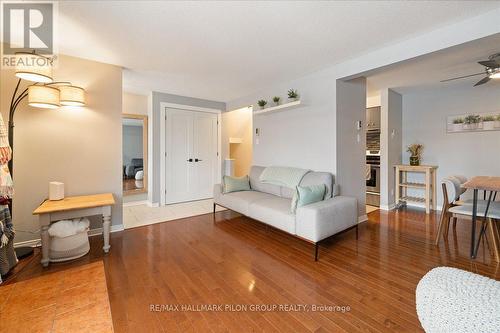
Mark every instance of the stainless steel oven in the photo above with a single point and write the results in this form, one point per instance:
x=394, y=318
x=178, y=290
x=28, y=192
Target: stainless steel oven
x=373, y=181
x=373, y=184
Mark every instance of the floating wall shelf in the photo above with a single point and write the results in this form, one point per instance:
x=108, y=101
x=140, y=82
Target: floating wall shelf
x=279, y=108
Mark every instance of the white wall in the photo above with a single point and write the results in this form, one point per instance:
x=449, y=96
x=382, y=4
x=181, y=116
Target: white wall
x=469, y=154
x=79, y=146
x=390, y=144
x=302, y=137
x=135, y=104
x=351, y=141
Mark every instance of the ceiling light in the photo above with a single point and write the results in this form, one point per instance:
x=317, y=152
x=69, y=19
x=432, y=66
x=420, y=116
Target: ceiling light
x=495, y=73
x=43, y=97
x=72, y=96
x=33, y=67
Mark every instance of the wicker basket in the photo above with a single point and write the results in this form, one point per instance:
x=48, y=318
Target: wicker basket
x=68, y=248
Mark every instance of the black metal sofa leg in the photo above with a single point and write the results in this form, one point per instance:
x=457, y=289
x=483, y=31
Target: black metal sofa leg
x=315, y=251
x=215, y=205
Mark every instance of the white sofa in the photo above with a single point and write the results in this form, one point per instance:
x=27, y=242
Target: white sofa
x=271, y=204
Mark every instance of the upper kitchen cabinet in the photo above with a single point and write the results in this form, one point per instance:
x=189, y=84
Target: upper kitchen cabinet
x=373, y=118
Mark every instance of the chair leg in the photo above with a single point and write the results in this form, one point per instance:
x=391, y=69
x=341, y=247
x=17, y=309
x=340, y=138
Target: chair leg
x=494, y=239
x=315, y=251
x=454, y=222
x=215, y=205
x=357, y=232
x=440, y=227
x=447, y=226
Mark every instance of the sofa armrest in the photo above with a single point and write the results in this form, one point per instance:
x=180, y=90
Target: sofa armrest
x=217, y=192
x=325, y=218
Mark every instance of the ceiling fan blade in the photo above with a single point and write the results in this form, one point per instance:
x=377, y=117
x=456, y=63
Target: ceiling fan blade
x=483, y=81
x=489, y=63
x=462, y=77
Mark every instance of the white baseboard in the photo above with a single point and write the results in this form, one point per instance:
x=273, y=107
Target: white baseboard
x=153, y=204
x=362, y=218
x=388, y=207
x=136, y=203
x=93, y=232
x=30, y=243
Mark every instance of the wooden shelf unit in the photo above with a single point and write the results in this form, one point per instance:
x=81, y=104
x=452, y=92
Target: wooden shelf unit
x=428, y=186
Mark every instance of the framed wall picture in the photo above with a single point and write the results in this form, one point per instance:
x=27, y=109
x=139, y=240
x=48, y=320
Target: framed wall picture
x=473, y=122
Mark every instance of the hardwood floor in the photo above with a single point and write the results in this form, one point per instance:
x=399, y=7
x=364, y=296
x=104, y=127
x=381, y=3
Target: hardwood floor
x=235, y=260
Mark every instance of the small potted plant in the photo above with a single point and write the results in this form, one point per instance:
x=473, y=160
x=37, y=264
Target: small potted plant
x=293, y=95
x=471, y=122
x=458, y=124
x=415, y=151
x=262, y=103
x=497, y=121
x=488, y=123
x=276, y=100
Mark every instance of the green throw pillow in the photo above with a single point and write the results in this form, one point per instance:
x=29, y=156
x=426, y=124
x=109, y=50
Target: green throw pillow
x=235, y=184
x=305, y=195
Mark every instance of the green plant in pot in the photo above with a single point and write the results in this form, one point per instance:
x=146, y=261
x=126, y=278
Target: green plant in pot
x=293, y=95
x=262, y=103
x=276, y=100
x=471, y=121
x=488, y=123
x=415, y=151
x=458, y=124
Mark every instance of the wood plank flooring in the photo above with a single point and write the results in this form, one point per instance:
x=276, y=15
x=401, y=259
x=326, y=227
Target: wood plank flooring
x=233, y=260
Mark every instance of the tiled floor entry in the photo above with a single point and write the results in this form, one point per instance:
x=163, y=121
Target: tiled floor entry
x=139, y=215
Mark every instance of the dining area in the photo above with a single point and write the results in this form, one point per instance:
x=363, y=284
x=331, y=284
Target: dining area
x=482, y=211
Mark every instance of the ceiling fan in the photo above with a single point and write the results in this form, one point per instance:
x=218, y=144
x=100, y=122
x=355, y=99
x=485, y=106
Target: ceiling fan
x=492, y=70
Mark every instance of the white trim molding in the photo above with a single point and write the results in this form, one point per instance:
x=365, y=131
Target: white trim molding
x=93, y=232
x=388, y=207
x=136, y=203
x=163, y=149
x=362, y=218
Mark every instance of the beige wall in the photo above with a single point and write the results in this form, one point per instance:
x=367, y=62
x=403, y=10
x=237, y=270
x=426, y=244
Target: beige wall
x=238, y=124
x=78, y=146
x=135, y=104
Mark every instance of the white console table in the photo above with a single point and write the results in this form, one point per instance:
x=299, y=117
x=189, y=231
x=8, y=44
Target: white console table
x=70, y=208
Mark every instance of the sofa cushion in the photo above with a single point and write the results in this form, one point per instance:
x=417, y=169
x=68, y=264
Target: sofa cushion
x=306, y=195
x=257, y=185
x=235, y=184
x=239, y=201
x=274, y=211
x=317, y=178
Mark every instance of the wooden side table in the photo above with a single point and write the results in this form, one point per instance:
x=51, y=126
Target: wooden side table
x=70, y=208
x=428, y=186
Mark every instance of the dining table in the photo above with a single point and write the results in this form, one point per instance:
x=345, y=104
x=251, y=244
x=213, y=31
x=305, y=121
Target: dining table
x=490, y=186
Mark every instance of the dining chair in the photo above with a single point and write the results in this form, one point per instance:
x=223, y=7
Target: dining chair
x=452, y=190
x=492, y=219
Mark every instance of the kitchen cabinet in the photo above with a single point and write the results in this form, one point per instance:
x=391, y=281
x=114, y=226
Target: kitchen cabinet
x=373, y=118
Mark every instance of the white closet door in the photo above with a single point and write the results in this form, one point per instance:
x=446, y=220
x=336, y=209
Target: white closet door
x=205, y=153
x=179, y=146
x=191, y=155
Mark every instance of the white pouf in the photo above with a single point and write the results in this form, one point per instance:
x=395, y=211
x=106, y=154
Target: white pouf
x=452, y=300
x=139, y=175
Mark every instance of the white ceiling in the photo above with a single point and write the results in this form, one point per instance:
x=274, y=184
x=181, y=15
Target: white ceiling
x=223, y=50
x=426, y=72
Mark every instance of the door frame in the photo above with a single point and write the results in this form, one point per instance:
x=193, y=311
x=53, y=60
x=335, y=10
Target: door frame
x=163, y=140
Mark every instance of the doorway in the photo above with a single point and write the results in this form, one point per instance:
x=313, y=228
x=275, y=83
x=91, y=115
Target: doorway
x=191, y=155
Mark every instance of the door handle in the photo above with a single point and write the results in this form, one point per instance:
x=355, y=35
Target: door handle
x=190, y=160
x=197, y=160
